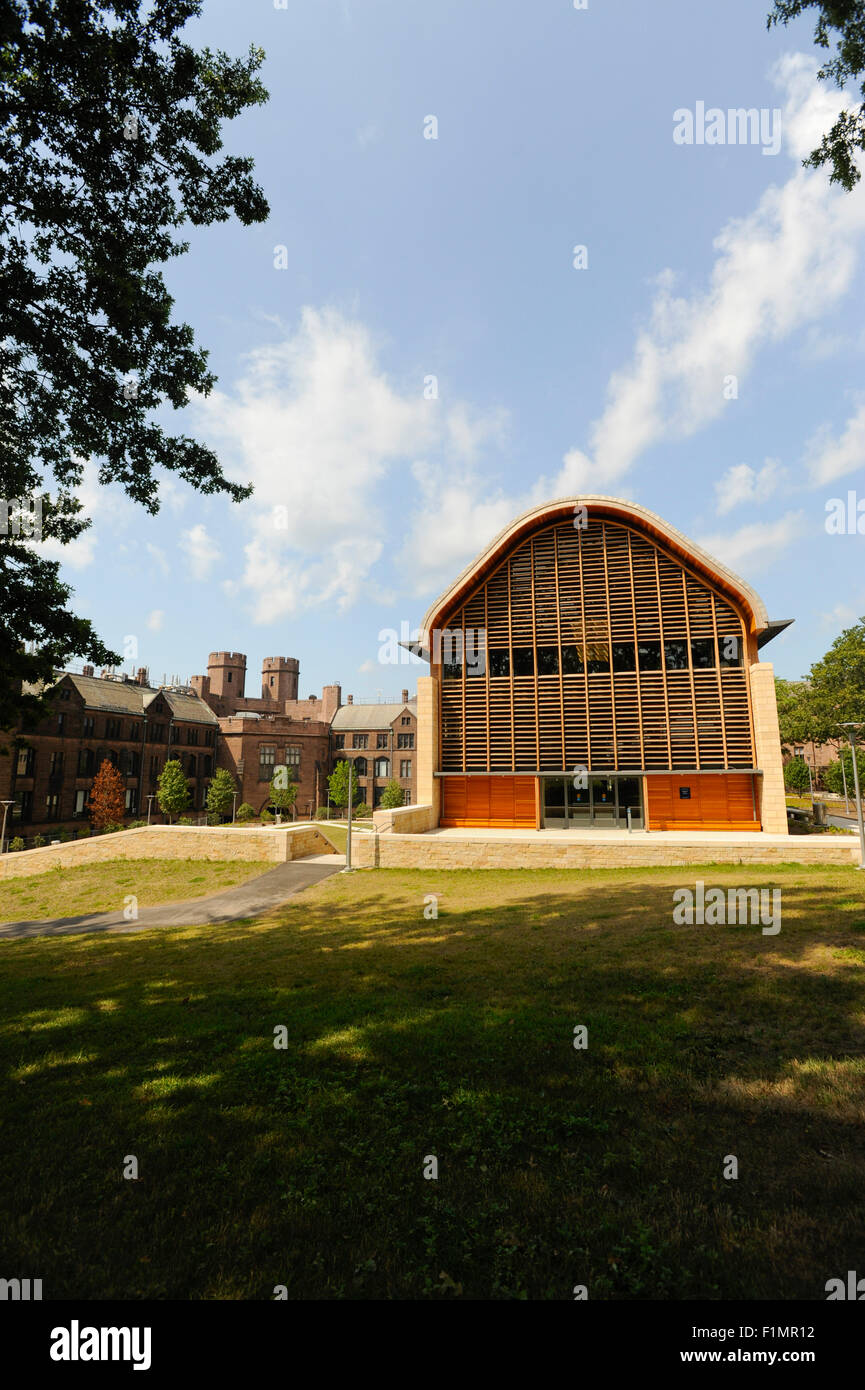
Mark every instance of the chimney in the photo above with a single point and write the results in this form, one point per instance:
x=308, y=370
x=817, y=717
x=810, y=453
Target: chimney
x=351, y=699
x=88, y=671
x=405, y=697
x=141, y=676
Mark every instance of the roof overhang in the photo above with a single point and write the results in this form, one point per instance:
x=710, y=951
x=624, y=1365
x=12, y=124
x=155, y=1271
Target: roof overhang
x=690, y=554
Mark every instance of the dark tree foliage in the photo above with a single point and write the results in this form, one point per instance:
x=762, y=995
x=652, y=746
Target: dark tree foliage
x=110, y=132
x=840, y=23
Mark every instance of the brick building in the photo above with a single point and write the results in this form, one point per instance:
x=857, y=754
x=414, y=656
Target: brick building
x=260, y=732
x=48, y=771
x=210, y=723
x=380, y=740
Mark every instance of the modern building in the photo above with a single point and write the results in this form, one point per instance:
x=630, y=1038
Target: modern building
x=380, y=742
x=594, y=668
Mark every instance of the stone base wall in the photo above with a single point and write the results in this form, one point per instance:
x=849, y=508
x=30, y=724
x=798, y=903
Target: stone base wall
x=433, y=852
x=405, y=820
x=171, y=842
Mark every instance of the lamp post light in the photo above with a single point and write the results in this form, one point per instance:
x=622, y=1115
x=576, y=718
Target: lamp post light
x=851, y=734
x=6, y=805
x=150, y=801
x=233, y=806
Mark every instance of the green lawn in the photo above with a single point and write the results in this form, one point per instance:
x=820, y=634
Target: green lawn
x=103, y=887
x=452, y=1037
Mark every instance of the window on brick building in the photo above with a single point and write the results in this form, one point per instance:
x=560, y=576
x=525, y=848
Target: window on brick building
x=405, y=767
x=360, y=767
x=26, y=762
x=292, y=755
x=266, y=761
x=61, y=722
x=405, y=740
x=191, y=736
x=406, y=719
x=85, y=762
x=339, y=740
x=55, y=765
x=88, y=726
x=80, y=807
x=381, y=740
x=360, y=740
x=52, y=806
x=382, y=767
x=23, y=808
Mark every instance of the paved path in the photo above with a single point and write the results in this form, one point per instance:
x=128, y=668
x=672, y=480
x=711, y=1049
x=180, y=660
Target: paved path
x=248, y=899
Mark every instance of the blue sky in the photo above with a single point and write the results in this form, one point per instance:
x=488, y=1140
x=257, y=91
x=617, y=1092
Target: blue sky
x=410, y=257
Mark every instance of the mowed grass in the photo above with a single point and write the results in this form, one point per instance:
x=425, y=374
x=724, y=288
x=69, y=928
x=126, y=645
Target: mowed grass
x=452, y=1037
x=103, y=887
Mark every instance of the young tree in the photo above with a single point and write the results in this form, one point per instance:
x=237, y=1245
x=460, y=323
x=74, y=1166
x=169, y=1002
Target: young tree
x=110, y=143
x=392, y=795
x=842, y=23
x=796, y=775
x=172, y=790
x=338, y=784
x=220, y=793
x=837, y=684
x=834, y=777
x=107, y=797
x=283, y=789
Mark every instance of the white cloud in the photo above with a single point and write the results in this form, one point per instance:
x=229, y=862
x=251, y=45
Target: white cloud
x=831, y=458
x=200, y=551
x=754, y=545
x=159, y=557
x=155, y=620
x=741, y=483
x=777, y=269
x=317, y=427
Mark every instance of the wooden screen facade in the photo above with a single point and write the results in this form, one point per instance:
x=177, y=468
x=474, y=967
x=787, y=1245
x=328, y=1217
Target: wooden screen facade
x=601, y=650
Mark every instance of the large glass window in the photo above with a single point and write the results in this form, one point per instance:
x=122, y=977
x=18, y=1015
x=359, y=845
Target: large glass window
x=360, y=740
x=624, y=656
x=702, y=653
x=500, y=663
x=382, y=767
x=572, y=661
x=524, y=661
x=266, y=761
x=730, y=650
x=649, y=654
x=676, y=656
x=548, y=661
x=598, y=658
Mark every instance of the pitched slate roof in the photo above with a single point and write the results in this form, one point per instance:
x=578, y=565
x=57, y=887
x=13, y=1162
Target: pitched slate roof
x=370, y=716
x=127, y=697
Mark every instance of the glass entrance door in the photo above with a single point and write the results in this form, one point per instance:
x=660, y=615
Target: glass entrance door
x=603, y=803
x=603, y=791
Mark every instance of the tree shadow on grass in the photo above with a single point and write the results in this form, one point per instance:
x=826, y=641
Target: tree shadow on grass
x=452, y=1038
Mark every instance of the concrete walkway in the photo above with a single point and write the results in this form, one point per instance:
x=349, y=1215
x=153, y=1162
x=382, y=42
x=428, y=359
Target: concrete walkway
x=249, y=899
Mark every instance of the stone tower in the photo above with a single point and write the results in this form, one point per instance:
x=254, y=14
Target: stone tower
x=279, y=678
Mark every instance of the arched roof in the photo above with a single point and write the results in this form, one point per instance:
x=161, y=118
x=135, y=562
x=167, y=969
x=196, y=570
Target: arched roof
x=632, y=514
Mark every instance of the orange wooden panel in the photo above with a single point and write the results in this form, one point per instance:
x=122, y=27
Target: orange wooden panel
x=502, y=802
x=722, y=802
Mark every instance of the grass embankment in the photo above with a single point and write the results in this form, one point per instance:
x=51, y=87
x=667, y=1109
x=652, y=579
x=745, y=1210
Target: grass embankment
x=450, y=1037
x=103, y=887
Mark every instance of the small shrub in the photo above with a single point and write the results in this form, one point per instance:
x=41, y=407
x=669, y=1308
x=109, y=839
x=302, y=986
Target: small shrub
x=110, y=827
x=16, y=843
x=266, y=815
x=63, y=836
x=136, y=824
x=184, y=820
x=39, y=841
x=321, y=813
x=361, y=810
x=245, y=812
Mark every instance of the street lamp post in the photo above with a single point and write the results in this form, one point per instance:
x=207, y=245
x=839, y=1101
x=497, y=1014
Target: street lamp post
x=150, y=801
x=852, y=727
x=844, y=780
x=347, y=869
x=233, y=806
x=6, y=805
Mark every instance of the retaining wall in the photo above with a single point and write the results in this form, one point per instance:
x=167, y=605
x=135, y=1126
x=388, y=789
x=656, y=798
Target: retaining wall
x=171, y=842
